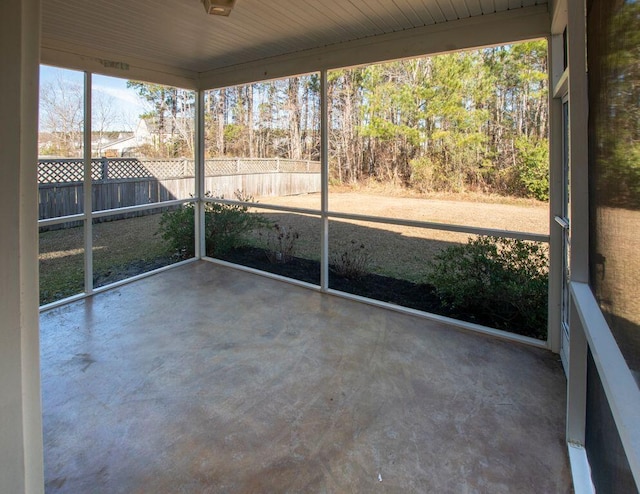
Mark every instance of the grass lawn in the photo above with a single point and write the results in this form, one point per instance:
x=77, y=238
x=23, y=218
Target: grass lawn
x=121, y=249
x=399, y=251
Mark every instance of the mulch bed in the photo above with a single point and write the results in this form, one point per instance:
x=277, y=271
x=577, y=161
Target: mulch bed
x=383, y=288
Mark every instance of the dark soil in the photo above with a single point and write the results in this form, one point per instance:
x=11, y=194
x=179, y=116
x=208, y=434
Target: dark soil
x=383, y=288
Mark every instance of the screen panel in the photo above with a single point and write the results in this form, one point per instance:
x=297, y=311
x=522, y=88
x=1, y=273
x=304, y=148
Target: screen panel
x=614, y=168
x=613, y=52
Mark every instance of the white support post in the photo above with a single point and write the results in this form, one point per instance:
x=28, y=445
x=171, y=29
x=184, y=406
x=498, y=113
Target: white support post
x=577, y=382
x=200, y=247
x=579, y=235
x=556, y=199
x=324, y=178
x=21, y=461
x=578, y=139
x=88, y=189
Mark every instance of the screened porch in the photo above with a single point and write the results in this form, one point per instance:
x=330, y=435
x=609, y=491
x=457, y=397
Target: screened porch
x=205, y=371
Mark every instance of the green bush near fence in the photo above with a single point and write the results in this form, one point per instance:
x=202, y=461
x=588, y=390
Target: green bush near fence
x=226, y=227
x=501, y=278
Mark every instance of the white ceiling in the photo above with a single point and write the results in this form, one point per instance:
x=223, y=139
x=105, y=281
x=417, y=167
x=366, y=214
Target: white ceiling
x=180, y=35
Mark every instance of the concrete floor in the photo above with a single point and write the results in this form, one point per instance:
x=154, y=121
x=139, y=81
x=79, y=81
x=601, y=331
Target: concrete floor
x=207, y=379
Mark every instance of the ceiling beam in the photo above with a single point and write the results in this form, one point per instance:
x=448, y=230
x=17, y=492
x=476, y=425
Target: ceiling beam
x=473, y=32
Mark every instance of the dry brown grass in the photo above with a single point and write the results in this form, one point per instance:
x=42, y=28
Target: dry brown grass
x=388, y=189
x=401, y=251
x=116, y=244
x=398, y=251
x=519, y=215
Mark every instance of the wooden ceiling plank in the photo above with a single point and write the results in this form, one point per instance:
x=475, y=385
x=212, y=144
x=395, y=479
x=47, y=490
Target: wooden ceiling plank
x=488, y=7
x=391, y=14
x=447, y=10
x=428, y=7
x=474, y=8
x=410, y=12
x=461, y=9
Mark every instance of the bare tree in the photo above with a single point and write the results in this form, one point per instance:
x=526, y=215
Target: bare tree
x=295, y=114
x=62, y=115
x=104, y=119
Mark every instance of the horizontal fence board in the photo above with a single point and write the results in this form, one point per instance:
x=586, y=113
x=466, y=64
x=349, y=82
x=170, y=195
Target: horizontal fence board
x=262, y=184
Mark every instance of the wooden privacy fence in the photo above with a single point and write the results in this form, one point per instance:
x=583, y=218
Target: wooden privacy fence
x=122, y=182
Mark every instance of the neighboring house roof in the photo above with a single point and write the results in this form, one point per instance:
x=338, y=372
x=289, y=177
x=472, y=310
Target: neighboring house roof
x=139, y=137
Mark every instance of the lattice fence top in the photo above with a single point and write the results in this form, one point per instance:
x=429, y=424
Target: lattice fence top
x=71, y=170
x=220, y=166
x=66, y=170
x=242, y=166
x=170, y=168
x=119, y=168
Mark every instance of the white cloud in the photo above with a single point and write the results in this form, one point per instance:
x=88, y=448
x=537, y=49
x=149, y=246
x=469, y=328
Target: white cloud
x=124, y=96
x=126, y=104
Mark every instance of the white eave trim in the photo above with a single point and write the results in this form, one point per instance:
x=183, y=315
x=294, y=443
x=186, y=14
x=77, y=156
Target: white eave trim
x=74, y=57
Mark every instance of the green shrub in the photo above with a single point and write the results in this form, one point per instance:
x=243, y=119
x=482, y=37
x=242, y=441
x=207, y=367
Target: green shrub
x=500, y=279
x=532, y=167
x=177, y=229
x=226, y=226
x=429, y=175
x=422, y=174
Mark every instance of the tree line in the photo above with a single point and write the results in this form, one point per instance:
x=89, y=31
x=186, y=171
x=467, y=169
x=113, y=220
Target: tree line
x=473, y=120
x=614, y=106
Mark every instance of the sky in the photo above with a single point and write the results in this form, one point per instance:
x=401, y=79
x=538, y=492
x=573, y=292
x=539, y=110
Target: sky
x=124, y=104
